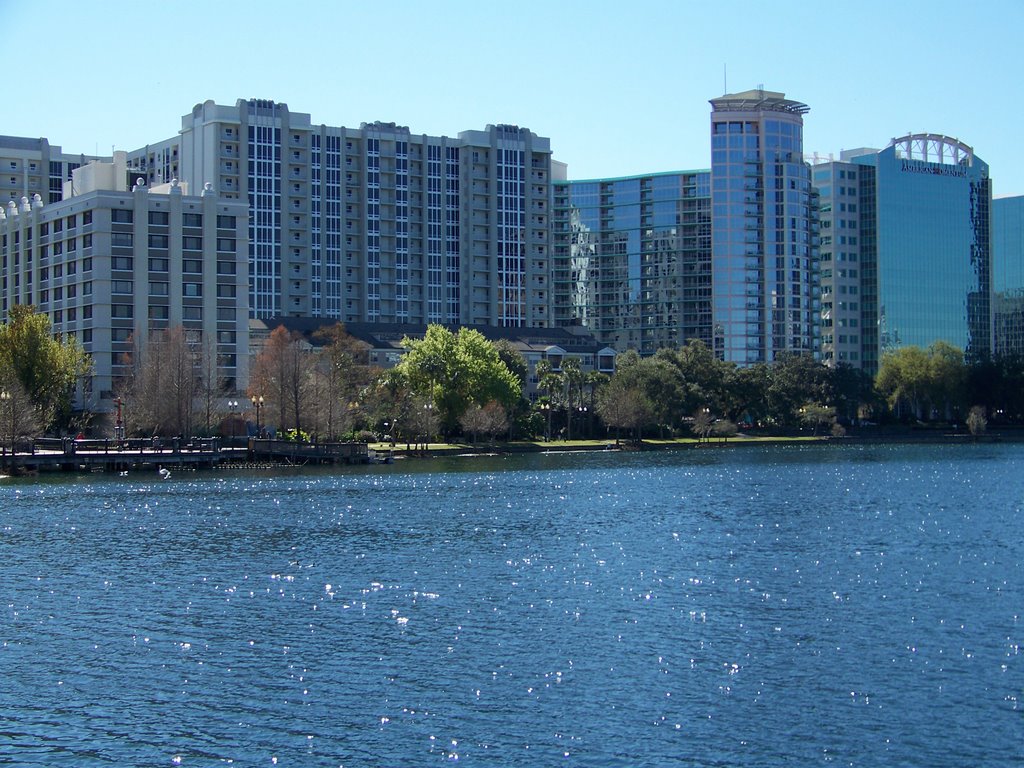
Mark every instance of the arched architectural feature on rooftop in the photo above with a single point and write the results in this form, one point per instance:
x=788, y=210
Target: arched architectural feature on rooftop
x=933, y=148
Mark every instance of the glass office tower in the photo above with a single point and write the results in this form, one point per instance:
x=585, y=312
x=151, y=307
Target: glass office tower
x=1008, y=275
x=632, y=259
x=925, y=246
x=764, y=230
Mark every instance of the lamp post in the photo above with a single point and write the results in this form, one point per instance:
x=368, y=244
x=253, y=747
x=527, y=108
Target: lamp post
x=6, y=400
x=583, y=416
x=119, y=424
x=546, y=410
x=233, y=408
x=257, y=403
x=428, y=409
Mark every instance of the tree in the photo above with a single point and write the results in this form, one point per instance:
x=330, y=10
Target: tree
x=793, y=380
x=935, y=378
x=283, y=375
x=342, y=371
x=490, y=419
x=622, y=404
x=212, y=385
x=815, y=415
x=903, y=379
x=703, y=421
x=455, y=370
x=724, y=429
x=47, y=368
x=160, y=390
x=947, y=375
x=18, y=416
x=976, y=421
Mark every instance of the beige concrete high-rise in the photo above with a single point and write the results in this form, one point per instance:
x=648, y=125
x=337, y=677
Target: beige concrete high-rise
x=111, y=265
x=375, y=223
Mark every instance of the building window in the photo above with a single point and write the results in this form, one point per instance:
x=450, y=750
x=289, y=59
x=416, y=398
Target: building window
x=158, y=288
x=190, y=243
x=121, y=311
x=158, y=241
x=121, y=239
x=192, y=289
x=191, y=313
x=158, y=313
x=117, y=215
x=226, y=222
x=193, y=266
x=158, y=265
x=124, y=263
x=192, y=219
x=158, y=218
x=226, y=291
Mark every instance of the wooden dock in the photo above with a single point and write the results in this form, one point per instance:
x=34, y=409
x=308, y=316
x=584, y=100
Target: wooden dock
x=106, y=455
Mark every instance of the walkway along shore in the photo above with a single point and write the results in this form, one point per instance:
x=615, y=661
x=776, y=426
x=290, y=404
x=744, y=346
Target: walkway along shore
x=67, y=455
x=107, y=455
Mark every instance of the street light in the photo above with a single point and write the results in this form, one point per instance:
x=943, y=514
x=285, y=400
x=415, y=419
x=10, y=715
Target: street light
x=583, y=416
x=119, y=425
x=257, y=403
x=546, y=409
x=428, y=407
x=5, y=398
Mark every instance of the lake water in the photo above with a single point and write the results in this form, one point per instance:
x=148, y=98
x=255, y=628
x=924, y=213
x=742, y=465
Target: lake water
x=780, y=606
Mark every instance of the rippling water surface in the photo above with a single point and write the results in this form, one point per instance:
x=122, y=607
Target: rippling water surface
x=760, y=607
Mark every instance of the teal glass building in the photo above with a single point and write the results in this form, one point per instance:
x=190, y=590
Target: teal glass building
x=1008, y=276
x=632, y=259
x=925, y=246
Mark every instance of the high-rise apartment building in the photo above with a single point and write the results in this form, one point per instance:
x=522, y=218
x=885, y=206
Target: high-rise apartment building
x=906, y=253
x=632, y=259
x=1008, y=275
x=110, y=265
x=376, y=223
x=764, y=229
x=33, y=167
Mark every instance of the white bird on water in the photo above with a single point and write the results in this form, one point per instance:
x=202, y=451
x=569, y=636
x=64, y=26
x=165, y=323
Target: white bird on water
x=165, y=473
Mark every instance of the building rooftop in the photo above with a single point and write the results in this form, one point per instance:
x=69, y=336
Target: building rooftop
x=758, y=100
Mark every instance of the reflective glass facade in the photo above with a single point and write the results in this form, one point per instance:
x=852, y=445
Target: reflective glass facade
x=926, y=241
x=1008, y=275
x=764, y=223
x=632, y=260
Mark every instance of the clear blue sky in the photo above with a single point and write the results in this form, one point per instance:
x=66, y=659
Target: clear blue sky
x=619, y=87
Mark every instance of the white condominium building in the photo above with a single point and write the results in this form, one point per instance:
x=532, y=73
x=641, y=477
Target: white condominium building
x=111, y=266
x=376, y=223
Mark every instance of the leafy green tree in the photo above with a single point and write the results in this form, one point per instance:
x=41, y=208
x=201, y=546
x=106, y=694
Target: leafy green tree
x=455, y=370
x=704, y=378
x=923, y=380
x=815, y=415
x=47, y=368
x=795, y=379
x=903, y=379
x=746, y=392
x=947, y=374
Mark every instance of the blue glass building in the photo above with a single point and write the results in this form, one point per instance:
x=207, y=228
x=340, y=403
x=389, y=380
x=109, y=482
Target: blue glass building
x=632, y=259
x=925, y=246
x=764, y=229
x=1008, y=275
